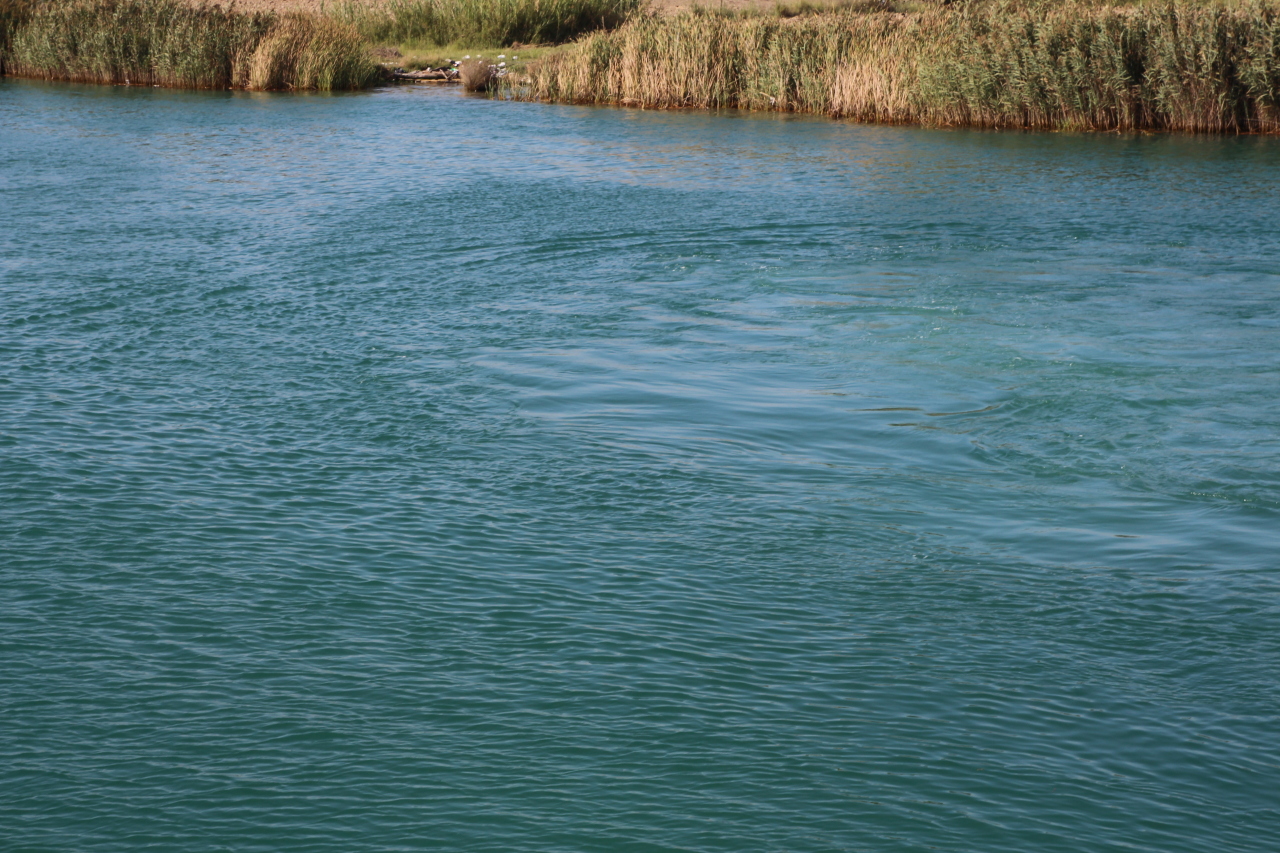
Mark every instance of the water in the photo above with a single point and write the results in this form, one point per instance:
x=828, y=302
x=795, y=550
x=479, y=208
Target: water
x=406, y=471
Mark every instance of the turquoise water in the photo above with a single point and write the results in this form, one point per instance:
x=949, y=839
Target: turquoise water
x=406, y=471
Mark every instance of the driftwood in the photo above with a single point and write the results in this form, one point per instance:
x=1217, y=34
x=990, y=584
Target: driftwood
x=426, y=75
x=475, y=75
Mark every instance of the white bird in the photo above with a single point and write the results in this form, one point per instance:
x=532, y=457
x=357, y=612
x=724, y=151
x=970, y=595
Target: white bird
x=502, y=56
x=502, y=65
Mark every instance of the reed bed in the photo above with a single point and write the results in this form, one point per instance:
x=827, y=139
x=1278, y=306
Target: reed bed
x=1179, y=65
x=494, y=23
x=13, y=14
x=182, y=44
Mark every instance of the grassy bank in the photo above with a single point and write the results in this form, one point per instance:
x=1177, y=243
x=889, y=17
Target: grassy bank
x=481, y=23
x=175, y=43
x=1193, y=65
x=190, y=44
x=1178, y=65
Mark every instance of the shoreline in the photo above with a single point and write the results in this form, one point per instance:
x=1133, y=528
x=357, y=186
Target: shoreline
x=1187, y=66
x=1183, y=67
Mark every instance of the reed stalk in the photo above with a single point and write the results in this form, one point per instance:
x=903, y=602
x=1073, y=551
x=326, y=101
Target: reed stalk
x=1079, y=64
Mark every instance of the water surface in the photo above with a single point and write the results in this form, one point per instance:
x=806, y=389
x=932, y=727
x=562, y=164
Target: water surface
x=405, y=471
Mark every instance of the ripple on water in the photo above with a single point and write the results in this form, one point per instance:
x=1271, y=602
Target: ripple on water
x=630, y=480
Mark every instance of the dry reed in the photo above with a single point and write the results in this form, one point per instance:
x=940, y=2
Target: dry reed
x=477, y=75
x=1181, y=65
x=177, y=43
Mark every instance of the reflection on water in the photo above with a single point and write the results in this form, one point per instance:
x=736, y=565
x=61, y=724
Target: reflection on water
x=407, y=470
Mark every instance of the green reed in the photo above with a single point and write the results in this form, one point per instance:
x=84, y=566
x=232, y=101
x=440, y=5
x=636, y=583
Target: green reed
x=1178, y=65
x=13, y=14
x=177, y=43
x=496, y=23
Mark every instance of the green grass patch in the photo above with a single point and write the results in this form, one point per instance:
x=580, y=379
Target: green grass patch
x=415, y=57
x=487, y=23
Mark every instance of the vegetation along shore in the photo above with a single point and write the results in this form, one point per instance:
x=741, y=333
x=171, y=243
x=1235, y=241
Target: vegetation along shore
x=173, y=43
x=1074, y=65
x=1190, y=65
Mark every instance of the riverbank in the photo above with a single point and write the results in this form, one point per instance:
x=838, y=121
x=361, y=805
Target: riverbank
x=273, y=44
x=1179, y=66
x=1184, y=65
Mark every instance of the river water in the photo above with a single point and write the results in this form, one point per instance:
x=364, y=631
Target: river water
x=405, y=470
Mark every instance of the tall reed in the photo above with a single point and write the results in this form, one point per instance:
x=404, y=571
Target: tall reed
x=13, y=14
x=495, y=23
x=177, y=43
x=311, y=52
x=1180, y=65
